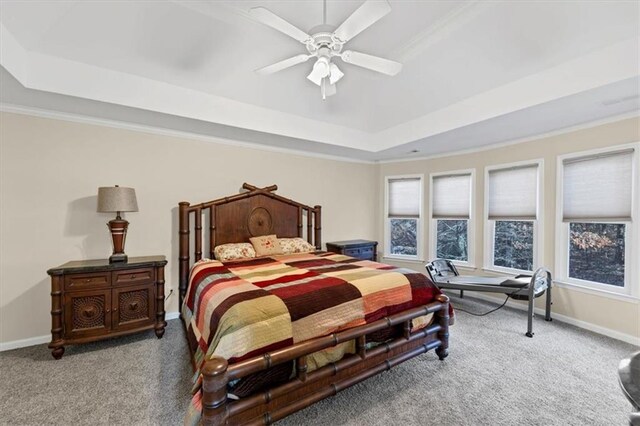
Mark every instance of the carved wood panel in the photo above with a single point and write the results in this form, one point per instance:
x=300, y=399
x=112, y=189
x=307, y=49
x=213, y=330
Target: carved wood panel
x=88, y=313
x=133, y=306
x=253, y=217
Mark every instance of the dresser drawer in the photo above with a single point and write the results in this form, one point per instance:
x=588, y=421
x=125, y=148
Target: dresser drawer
x=133, y=276
x=353, y=252
x=89, y=280
x=366, y=252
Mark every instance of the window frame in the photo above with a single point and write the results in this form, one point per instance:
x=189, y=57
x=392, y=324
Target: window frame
x=632, y=233
x=538, y=224
x=419, y=226
x=433, y=222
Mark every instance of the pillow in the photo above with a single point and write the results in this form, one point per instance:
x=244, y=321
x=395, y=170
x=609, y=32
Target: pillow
x=234, y=251
x=266, y=245
x=295, y=245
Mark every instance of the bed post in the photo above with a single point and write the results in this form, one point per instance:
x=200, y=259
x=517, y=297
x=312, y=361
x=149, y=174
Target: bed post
x=442, y=316
x=183, y=256
x=317, y=240
x=214, y=391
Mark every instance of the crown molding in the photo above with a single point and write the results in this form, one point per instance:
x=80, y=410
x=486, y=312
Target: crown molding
x=84, y=119
x=561, y=131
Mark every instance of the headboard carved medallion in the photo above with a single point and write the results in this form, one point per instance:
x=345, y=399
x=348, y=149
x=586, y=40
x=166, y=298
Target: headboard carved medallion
x=260, y=222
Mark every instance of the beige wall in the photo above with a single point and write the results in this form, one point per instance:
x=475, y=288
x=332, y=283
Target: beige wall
x=621, y=316
x=50, y=172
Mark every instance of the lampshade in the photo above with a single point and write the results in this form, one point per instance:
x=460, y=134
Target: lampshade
x=117, y=199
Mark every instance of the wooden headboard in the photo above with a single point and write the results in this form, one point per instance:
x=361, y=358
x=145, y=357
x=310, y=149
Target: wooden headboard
x=236, y=218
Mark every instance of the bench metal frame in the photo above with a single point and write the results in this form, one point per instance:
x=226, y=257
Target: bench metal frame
x=440, y=270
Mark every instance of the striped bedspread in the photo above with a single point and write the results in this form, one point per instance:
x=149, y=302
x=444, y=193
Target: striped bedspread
x=241, y=309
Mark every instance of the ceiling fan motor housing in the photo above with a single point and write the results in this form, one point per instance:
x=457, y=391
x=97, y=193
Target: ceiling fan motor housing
x=322, y=36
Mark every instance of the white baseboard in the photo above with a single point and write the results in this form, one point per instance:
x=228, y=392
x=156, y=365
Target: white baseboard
x=32, y=341
x=171, y=315
x=562, y=318
x=23, y=343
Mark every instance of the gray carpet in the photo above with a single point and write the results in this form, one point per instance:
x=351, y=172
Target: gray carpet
x=493, y=376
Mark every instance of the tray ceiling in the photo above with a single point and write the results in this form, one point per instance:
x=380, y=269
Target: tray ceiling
x=465, y=63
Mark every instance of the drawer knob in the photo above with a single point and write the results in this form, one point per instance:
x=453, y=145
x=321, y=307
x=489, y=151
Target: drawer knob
x=107, y=310
x=115, y=309
x=88, y=280
x=133, y=306
x=133, y=276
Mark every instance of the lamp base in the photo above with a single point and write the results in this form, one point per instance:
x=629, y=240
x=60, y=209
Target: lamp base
x=117, y=258
x=118, y=228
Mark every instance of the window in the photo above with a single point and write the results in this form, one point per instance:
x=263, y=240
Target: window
x=403, y=229
x=595, y=219
x=451, y=219
x=513, y=199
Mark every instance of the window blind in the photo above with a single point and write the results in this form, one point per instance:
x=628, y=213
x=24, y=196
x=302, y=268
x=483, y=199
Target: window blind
x=452, y=196
x=404, y=197
x=513, y=193
x=598, y=188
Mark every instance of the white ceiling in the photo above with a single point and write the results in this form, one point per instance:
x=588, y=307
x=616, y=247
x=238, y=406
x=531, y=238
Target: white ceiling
x=466, y=63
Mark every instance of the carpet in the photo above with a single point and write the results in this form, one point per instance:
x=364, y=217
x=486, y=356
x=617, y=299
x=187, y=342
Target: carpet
x=494, y=375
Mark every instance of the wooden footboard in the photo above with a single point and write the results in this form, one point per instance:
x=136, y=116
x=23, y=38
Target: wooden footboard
x=308, y=388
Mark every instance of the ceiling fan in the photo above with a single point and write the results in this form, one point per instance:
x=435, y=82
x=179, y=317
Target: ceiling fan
x=326, y=42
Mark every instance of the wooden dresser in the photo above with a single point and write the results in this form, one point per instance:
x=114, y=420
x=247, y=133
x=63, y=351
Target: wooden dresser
x=94, y=299
x=361, y=249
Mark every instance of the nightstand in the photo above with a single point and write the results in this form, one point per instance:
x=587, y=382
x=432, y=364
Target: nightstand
x=94, y=300
x=361, y=249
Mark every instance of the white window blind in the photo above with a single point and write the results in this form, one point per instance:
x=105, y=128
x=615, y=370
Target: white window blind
x=598, y=187
x=404, y=197
x=513, y=193
x=452, y=196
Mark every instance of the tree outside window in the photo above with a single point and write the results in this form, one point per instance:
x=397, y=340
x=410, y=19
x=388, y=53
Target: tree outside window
x=596, y=252
x=513, y=244
x=452, y=239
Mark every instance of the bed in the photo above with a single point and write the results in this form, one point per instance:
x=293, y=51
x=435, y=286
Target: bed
x=351, y=319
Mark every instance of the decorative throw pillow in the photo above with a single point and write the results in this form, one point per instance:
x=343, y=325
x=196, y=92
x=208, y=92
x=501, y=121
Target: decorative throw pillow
x=266, y=245
x=295, y=245
x=234, y=251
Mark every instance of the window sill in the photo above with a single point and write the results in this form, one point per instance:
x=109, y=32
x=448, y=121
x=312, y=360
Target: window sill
x=506, y=271
x=466, y=266
x=402, y=259
x=597, y=292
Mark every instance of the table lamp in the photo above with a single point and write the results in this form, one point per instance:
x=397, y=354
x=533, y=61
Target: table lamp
x=117, y=199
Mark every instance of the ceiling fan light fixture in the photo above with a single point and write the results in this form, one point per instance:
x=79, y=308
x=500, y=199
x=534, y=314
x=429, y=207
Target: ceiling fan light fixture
x=320, y=70
x=335, y=74
x=326, y=88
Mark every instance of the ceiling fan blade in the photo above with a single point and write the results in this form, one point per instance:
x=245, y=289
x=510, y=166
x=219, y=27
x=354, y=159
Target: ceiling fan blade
x=375, y=63
x=279, y=66
x=269, y=18
x=364, y=16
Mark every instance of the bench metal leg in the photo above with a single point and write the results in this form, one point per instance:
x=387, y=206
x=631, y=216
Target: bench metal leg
x=529, y=332
x=547, y=314
x=461, y=294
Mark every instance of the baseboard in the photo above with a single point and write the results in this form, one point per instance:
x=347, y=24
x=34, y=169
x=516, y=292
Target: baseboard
x=32, y=341
x=562, y=318
x=23, y=343
x=171, y=315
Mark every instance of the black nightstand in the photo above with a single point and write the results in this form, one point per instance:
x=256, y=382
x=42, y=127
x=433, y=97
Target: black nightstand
x=361, y=249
